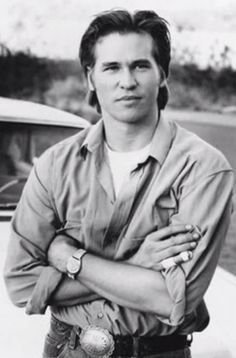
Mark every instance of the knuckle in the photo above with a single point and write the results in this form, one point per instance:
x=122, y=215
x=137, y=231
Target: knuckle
x=149, y=237
x=152, y=237
x=160, y=233
x=185, y=247
x=179, y=239
x=184, y=238
x=188, y=237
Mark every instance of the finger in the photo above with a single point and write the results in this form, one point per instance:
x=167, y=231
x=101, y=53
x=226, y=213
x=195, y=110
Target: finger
x=169, y=231
x=197, y=231
x=179, y=240
x=175, y=250
x=183, y=238
x=175, y=260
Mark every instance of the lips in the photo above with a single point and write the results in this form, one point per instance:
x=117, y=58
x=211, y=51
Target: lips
x=129, y=98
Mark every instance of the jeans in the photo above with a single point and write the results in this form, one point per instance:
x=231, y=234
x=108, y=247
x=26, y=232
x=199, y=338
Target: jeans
x=60, y=344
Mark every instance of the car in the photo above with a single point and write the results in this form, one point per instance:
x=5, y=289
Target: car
x=27, y=129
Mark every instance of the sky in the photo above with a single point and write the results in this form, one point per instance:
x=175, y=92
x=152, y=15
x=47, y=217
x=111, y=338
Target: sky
x=53, y=28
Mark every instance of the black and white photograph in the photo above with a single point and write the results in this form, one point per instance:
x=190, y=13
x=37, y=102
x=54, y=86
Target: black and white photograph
x=117, y=179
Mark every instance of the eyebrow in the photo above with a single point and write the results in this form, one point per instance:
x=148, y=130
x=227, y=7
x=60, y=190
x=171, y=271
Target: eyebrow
x=138, y=61
x=112, y=63
x=141, y=61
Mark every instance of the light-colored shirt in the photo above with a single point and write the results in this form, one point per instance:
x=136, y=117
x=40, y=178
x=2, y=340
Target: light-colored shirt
x=183, y=180
x=122, y=164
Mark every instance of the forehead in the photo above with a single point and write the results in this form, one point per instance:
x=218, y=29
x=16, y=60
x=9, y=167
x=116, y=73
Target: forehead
x=118, y=47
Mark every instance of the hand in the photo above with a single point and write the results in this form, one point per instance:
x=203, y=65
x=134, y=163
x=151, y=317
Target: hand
x=59, y=251
x=166, y=247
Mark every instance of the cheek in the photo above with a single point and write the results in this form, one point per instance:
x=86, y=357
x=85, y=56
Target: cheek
x=105, y=90
x=152, y=89
x=152, y=83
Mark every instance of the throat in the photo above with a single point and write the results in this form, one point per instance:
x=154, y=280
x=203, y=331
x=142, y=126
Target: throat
x=122, y=136
x=129, y=139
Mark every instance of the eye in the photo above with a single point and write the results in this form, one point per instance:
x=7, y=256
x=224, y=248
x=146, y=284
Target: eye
x=142, y=66
x=111, y=68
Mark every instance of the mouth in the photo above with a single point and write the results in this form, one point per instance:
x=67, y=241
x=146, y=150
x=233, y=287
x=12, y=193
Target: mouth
x=129, y=98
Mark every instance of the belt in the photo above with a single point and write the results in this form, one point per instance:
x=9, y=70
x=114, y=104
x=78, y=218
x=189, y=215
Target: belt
x=126, y=346
x=148, y=345
x=131, y=346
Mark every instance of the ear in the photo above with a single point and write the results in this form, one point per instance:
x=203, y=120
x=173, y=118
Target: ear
x=90, y=79
x=163, y=78
x=163, y=83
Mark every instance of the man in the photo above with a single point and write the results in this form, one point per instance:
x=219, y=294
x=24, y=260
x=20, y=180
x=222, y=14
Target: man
x=108, y=219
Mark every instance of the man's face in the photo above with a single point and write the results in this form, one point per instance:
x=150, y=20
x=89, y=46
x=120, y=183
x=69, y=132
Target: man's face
x=126, y=77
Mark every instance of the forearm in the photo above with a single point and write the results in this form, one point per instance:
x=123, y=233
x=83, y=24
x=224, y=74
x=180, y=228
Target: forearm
x=134, y=284
x=127, y=285
x=71, y=292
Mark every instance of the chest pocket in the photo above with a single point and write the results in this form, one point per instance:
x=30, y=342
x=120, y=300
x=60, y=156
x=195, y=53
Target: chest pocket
x=165, y=207
x=150, y=218
x=153, y=215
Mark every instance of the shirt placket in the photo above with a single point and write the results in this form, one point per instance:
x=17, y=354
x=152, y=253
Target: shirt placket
x=121, y=210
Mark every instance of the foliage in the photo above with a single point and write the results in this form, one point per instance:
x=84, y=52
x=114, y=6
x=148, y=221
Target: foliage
x=202, y=89
x=22, y=74
x=60, y=83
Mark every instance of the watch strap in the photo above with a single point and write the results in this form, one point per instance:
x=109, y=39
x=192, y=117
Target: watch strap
x=79, y=254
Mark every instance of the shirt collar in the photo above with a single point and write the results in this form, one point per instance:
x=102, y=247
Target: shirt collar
x=160, y=145
x=94, y=137
x=162, y=140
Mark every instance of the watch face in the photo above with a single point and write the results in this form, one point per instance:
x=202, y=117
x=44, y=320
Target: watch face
x=73, y=265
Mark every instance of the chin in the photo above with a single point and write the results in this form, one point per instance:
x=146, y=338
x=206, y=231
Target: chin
x=129, y=116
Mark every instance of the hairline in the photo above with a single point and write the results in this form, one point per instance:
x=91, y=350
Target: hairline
x=127, y=32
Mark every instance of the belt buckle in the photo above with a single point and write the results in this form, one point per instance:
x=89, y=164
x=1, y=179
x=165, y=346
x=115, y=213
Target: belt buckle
x=97, y=342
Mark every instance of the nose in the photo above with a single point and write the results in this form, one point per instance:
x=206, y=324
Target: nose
x=127, y=79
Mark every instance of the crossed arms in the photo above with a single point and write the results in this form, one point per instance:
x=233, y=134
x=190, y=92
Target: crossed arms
x=139, y=276
x=144, y=287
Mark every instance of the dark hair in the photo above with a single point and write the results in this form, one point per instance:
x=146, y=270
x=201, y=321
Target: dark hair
x=123, y=22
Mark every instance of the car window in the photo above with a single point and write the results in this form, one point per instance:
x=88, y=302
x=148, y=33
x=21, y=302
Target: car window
x=20, y=146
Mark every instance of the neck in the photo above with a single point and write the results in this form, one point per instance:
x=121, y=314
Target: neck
x=125, y=137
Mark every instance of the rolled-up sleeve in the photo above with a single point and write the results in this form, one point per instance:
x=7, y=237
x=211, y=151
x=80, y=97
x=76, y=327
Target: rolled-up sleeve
x=206, y=204
x=29, y=279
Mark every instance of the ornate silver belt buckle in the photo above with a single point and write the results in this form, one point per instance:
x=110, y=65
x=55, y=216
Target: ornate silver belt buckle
x=97, y=342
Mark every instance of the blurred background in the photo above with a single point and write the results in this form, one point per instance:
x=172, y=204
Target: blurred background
x=39, y=44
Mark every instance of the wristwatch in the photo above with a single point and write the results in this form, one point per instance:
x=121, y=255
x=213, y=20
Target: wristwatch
x=74, y=263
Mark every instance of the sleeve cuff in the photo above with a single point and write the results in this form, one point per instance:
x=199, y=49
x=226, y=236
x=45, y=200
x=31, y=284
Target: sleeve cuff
x=176, y=286
x=47, y=283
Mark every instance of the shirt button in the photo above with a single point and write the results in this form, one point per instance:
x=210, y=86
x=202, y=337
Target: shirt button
x=100, y=315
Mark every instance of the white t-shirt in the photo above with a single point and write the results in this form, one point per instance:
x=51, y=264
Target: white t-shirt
x=122, y=164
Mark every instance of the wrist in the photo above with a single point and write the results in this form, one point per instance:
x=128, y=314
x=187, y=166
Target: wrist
x=74, y=263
